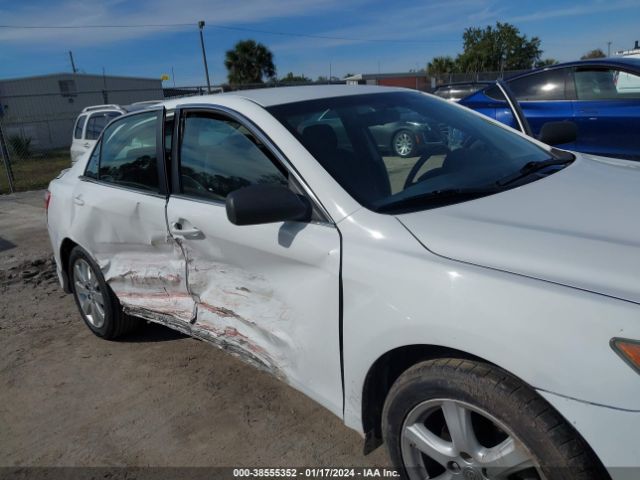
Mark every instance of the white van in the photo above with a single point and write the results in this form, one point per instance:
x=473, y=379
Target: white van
x=89, y=125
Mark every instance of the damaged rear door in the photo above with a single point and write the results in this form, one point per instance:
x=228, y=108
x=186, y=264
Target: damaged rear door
x=119, y=217
x=266, y=293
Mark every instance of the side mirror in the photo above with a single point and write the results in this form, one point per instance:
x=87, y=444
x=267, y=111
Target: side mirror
x=557, y=133
x=258, y=204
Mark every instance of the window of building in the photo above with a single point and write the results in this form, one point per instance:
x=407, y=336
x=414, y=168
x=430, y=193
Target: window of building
x=67, y=88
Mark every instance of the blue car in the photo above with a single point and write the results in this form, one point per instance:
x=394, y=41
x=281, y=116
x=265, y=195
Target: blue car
x=601, y=96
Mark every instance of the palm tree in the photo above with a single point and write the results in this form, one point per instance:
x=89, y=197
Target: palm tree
x=441, y=65
x=248, y=62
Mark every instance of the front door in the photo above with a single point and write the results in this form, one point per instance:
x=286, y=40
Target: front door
x=266, y=293
x=119, y=208
x=543, y=97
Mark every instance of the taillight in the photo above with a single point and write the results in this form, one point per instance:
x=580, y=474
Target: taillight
x=47, y=200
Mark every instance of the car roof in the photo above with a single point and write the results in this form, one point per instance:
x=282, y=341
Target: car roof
x=268, y=97
x=623, y=62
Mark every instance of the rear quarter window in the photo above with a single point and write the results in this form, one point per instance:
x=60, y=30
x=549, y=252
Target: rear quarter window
x=77, y=131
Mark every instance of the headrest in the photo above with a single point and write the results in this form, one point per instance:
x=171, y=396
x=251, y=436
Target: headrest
x=320, y=138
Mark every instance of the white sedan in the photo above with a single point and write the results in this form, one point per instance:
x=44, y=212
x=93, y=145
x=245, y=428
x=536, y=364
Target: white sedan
x=475, y=306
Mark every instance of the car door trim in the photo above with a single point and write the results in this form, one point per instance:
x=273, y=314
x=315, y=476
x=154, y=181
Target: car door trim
x=254, y=130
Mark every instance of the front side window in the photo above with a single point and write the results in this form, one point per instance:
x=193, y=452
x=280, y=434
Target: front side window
x=444, y=147
x=97, y=122
x=606, y=84
x=548, y=85
x=219, y=155
x=77, y=132
x=128, y=154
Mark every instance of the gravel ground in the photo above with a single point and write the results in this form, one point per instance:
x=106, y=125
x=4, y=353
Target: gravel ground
x=156, y=398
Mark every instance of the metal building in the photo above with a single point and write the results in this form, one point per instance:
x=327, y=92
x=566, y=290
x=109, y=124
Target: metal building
x=44, y=108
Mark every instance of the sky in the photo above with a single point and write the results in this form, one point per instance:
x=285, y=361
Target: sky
x=360, y=36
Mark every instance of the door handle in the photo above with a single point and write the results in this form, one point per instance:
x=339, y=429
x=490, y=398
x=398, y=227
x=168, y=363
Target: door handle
x=78, y=200
x=178, y=229
x=87, y=145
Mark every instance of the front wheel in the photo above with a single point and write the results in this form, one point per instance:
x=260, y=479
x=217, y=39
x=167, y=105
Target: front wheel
x=99, y=307
x=452, y=418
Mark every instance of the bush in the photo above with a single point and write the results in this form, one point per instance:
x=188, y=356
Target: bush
x=20, y=146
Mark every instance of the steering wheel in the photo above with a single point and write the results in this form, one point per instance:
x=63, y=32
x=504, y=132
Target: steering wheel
x=432, y=149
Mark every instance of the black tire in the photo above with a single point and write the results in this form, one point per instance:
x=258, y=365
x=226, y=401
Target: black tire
x=116, y=323
x=557, y=449
x=394, y=147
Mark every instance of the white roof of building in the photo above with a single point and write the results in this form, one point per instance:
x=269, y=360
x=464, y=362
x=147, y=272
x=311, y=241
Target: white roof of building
x=268, y=97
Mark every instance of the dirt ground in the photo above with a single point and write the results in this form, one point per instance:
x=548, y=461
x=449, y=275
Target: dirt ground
x=157, y=398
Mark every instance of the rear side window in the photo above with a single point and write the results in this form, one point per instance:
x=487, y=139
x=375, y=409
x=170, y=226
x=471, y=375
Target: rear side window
x=128, y=153
x=92, y=165
x=77, y=132
x=606, y=84
x=219, y=155
x=549, y=85
x=97, y=122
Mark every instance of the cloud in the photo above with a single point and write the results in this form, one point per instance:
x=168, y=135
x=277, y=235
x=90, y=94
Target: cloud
x=578, y=10
x=422, y=24
x=147, y=12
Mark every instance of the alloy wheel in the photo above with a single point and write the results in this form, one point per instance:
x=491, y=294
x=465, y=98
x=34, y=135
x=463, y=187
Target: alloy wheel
x=403, y=143
x=90, y=296
x=448, y=439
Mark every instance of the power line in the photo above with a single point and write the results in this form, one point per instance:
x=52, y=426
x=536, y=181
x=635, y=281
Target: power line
x=226, y=27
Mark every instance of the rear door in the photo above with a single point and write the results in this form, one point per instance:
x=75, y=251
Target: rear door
x=119, y=218
x=77, y=143
x=266, y=293
x=607, y=111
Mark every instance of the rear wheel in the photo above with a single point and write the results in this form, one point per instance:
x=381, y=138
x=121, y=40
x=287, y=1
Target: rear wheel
x=452, y=418
x=99, y=307
x=403, y=143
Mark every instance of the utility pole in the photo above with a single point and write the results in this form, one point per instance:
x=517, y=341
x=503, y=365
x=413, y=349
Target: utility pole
x=105, y=94
x=173, y=76
x=73, y=64
x=608, y=49
x=204, y=55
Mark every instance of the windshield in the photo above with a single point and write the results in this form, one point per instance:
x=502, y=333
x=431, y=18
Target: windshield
x=386, y=148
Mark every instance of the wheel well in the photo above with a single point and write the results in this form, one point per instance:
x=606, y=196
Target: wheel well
x=65, y=251
x=384, y=372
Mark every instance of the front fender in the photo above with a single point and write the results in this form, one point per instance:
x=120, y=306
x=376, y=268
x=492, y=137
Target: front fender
x=554, y=338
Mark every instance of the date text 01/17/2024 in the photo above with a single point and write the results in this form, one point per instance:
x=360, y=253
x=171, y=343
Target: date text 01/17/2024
x=314, y=473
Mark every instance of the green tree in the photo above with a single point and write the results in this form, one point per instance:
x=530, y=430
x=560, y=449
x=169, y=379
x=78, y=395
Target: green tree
x=547, y=62
x=441, y=65
x=497, y=48
x=291, y=78
x=597, y=53
x=249, y=62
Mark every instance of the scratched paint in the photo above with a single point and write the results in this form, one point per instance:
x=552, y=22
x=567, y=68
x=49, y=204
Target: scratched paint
x=238, y=305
